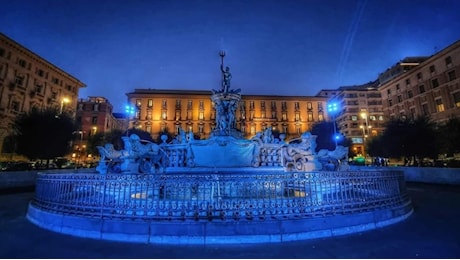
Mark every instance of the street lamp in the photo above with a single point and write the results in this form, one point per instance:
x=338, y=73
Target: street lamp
x=333, y=110
x=130, y=111
x=64, y=100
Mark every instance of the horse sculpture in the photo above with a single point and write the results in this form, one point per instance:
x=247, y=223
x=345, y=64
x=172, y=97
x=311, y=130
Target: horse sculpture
x=150, y=156
x=334, y=160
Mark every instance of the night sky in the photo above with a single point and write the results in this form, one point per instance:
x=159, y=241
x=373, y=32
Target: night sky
x=284, y=47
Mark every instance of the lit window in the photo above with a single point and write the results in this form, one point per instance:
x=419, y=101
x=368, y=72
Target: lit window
x=439, y=105
x=457, y=99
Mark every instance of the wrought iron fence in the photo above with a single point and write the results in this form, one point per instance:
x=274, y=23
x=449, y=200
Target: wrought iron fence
x=250, y=196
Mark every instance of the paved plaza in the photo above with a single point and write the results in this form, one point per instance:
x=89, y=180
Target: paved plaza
x=432, y=231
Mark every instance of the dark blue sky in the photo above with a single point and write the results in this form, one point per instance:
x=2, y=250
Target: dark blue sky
x=285, y=47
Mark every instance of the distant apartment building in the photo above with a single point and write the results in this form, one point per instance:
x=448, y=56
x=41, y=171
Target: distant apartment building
x=360, y=113
x=95, y=115
x=158, y=111
x=431, y=89
x=29, y=81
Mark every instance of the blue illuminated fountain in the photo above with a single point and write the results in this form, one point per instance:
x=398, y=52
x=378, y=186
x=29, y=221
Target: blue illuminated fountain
x=225, y=189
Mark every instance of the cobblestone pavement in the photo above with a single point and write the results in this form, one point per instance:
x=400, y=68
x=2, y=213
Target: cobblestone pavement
x=432, y=231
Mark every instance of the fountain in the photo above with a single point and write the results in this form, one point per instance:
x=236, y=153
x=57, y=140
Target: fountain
x=225, y=189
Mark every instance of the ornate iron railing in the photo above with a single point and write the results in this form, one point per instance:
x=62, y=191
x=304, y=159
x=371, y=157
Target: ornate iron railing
x=220, y=196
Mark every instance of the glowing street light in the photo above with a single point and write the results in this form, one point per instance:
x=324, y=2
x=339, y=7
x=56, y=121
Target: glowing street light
x=130, y=111
x=333, y=109
x=64, y=100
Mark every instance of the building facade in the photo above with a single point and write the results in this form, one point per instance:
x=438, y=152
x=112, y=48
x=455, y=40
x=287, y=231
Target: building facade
x=94, y=115
x=28, y=81
x=360, y=113
x=157, y=111
x=430, y=89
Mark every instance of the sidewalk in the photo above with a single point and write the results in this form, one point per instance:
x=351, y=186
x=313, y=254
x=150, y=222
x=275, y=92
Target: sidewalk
x=433, y=231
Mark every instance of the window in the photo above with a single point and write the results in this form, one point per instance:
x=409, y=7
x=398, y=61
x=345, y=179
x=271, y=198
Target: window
x=189, y=115
x=372, y=118
x=456, y=99
x=399, y=98
x=354, y=118
x=390, y=102
x=15, y=106
x=200, y=129
x=201, y=115
x=55, y=80
x=380, y=118
x=425, y=109
x=164, y=104
x=149, y=114
x=138, y=103
x=96, y=107
x=309, y=106
x=262, y=105
x=189, y=104
x=177, y=117
x=19, y=81
x=284, y=116
x=310, y=116
x=296, y=105
x=40, y=73
x=273, y=114
x=407, y=82
x=297, y=116
x=320, y=116
x=38, y=88
x=251, y=105
x=22, y=63
x=432, y=70
x=419, y=77
x=273, y=105
x=80, y=107
x=94, y=120
x=320, y=106
x=421, y=89
x=262, y=114
x=434, y=83
x=410, y=94
x=283, y=105
x=412, y=113
x=388, y=92
x=2, y=52
x=178, y=104
x=448, y=62
x=148, y=128
x=439, y=105
x=164, y=115
x=150, y=103
x=451, y=75
x=397, y=88
x=201, y=105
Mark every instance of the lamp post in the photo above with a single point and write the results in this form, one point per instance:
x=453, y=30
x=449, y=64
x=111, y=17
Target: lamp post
x=366, y=128
x=333, y=109
x=64, y=100
x=130, y=111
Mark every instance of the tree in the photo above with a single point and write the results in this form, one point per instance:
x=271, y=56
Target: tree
x=43, y=134
x=415, y=139
x=325, y=135
x=449, y=137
